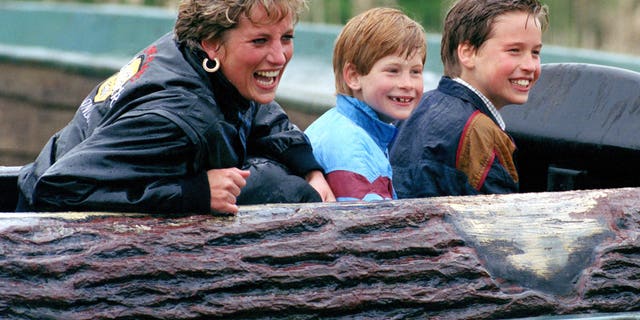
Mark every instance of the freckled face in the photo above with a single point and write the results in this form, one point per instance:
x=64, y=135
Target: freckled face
x=507, y=65
x=393, y=87
x=253, y=56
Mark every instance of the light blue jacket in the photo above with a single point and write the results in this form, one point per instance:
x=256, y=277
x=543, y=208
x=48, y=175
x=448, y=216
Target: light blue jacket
x=351, y=144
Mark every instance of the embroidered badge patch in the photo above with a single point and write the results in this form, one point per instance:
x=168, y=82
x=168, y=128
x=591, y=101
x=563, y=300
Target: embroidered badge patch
x=116, y=81
x=132, y=70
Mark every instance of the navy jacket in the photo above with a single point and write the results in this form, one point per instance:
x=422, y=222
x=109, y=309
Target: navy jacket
x=143, y=139
x=452, y=145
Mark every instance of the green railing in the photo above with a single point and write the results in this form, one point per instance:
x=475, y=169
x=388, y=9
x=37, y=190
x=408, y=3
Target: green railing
x=104, y=36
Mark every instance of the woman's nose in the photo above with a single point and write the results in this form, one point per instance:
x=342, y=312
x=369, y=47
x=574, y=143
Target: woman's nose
x=279, y=54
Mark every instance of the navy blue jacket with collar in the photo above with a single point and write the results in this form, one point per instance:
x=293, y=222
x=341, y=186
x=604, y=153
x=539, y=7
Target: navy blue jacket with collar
x=452, y=145
x=144, y=138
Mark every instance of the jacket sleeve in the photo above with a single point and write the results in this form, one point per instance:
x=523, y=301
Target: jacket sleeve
x=423, y=156
x=141, y=163
x=485, y=155
x=275, y=137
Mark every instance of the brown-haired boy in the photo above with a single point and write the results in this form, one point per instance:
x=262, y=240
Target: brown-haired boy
x=454, y=143
x=378, y=61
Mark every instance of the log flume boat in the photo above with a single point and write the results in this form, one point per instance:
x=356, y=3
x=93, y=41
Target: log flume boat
x=476, y=257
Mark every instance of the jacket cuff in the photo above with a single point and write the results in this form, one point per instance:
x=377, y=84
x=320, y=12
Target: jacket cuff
x=299, y=159
x=196, y=197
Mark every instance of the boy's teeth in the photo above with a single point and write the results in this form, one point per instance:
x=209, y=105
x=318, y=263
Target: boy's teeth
x=523, y=83
x=403, y=100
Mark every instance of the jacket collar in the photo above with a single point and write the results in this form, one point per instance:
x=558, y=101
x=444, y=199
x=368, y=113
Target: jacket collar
x=486, y=101
x=366, y=118
x=227, y=97
x=454, y=88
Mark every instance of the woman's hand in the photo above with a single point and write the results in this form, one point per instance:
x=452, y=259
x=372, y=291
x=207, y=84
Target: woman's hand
x=317, y=181
x=224, y=186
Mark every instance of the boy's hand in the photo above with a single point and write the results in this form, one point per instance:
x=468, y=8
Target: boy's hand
x=317, y=181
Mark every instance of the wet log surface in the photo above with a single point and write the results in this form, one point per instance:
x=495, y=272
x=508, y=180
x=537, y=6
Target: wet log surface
x=482, y=257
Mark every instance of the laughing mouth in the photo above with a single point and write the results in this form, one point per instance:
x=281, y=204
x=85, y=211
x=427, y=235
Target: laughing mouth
x=521, y=83
x=267, y=78
x=402, y=99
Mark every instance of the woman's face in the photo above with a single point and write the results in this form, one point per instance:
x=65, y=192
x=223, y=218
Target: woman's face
x=253, y=56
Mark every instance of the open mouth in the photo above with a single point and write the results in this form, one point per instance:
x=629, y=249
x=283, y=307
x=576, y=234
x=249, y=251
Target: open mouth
x=267, y=78
x=521, y=83
x=403, y=100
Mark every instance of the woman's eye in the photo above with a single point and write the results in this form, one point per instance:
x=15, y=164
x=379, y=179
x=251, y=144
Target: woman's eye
x=259, y=41
x=287, y=38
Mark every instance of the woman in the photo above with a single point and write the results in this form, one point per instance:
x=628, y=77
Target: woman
x=172, y=129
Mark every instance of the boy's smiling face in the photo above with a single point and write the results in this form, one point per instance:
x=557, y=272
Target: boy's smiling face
x=505, y=67
x=393, y=87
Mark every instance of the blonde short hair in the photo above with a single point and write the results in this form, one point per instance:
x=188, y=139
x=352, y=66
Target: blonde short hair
x=373, y=35
x=209, y=19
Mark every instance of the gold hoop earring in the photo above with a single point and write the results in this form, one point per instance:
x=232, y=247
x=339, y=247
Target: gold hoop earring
x=205, y=65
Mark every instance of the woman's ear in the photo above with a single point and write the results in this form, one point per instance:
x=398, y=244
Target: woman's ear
x=351, y=76
x=466, y=54
x=210, y=47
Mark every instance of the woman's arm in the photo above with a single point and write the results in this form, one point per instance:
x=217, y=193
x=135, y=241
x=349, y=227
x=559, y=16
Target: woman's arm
x=274, y=136
x=142, y=163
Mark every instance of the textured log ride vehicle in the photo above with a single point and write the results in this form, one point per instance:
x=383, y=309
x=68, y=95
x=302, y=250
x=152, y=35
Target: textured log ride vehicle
x=480, y=257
